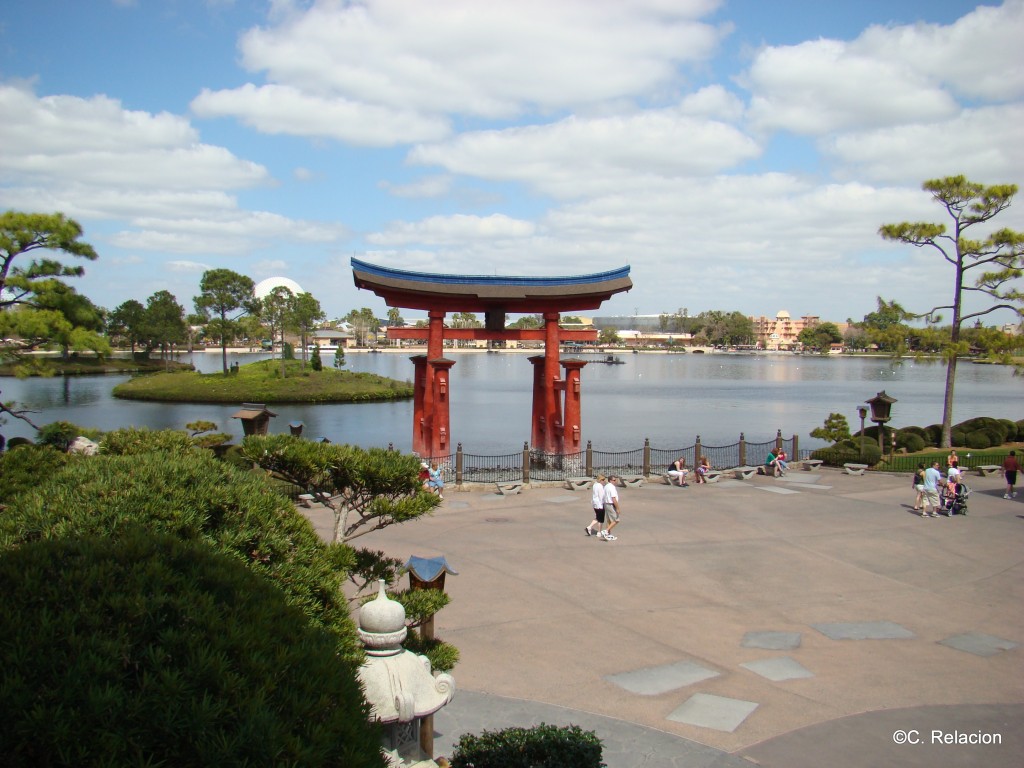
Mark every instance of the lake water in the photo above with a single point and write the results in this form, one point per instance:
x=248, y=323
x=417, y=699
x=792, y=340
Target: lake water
x=669, y=398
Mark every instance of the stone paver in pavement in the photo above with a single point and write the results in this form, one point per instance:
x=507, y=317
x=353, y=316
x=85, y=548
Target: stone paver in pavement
x=656, y=680
x=709, y=711
x=772, y=641
x=978, y=643
x=864, y=630
x=778, y=669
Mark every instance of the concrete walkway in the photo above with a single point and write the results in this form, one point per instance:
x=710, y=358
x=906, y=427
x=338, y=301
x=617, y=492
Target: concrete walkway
x=803, y=621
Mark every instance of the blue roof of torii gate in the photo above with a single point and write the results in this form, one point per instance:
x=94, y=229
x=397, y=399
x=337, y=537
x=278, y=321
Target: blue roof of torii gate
x=506, y=293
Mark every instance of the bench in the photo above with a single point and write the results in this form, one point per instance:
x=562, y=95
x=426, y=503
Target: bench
x=579, y=483
x=670, y=480
x=988, y=469
x=712, y=476
x=631, y=481
x=744, y=473
x=855, y=469
x=509, y=489
x=767, y=471
x=812, y=464
x=306, y=500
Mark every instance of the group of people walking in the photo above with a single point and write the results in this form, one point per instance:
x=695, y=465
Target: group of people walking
x=932, y=488
x=605, y=500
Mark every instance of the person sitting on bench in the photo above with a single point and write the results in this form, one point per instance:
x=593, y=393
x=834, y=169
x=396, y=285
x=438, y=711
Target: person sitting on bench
x=703, y=469
x=678, y=471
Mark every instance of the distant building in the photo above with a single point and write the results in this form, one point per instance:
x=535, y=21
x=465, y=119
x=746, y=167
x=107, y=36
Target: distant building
x=781, y=332
x=628, y=322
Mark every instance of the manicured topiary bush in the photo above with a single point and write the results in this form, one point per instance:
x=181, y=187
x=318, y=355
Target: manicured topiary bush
x=193, y=496
x=1010, y=428
x=149, y=650
x=978, y=439
x=934, y=434
x=910, y=439
x=848, y=452
x=544, y=746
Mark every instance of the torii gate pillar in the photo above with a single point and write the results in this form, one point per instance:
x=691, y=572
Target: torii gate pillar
x=431, y=411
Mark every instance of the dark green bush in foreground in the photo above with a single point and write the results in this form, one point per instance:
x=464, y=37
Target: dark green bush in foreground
x=194, y=497
x=544, y=746
x=147, y=650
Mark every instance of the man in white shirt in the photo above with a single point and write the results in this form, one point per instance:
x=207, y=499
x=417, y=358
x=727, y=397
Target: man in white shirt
x=597, y=501
x=611, y=507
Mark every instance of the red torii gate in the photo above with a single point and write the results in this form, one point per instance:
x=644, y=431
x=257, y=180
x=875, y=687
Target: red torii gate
x=556, y=399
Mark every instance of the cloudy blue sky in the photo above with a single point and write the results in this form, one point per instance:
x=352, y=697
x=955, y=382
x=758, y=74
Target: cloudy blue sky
x=737, y=154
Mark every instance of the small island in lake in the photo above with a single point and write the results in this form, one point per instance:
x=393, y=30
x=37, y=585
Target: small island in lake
x=262, y=382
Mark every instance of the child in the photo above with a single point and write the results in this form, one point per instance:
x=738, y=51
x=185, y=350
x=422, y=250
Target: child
x=703, y=469
x=436, y=482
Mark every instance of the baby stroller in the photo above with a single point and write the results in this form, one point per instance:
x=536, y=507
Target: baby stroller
x=954, y=500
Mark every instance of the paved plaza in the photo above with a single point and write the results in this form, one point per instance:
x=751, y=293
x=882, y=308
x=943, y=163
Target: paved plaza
x=802, y=621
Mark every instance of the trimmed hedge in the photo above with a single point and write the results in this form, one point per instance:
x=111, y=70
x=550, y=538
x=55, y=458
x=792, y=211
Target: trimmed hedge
x=544, y=746
x=149, y=650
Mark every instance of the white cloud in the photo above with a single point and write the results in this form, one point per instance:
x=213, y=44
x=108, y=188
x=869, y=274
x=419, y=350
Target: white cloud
x=580, y=156
x=386, y=71
x=889, y=75
x=437, y=230
x=982, y=143
x=278, y=109
x=187, y=266
x=827, y=85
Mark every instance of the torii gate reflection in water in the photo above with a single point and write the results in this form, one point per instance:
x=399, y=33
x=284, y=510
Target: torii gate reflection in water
x=556, y=399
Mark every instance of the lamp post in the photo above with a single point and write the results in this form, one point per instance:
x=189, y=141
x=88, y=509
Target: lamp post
x=863, y=411
x=881, y=408
x=428, y=573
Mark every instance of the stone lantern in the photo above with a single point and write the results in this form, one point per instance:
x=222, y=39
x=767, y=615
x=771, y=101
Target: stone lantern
x=881, y=407
x=399, y=685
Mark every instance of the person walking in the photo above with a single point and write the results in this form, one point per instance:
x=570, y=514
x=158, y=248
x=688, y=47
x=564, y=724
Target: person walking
x=932, y=478
x=611, y=507
x=1010, y=469
x=597, y=502
x=918, y=485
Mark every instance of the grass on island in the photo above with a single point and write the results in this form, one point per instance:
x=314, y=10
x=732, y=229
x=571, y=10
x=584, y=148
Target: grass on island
x=261, y=382
x=35, y=365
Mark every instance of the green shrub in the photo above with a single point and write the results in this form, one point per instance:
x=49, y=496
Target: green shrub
x=984, y=423
x=979, y=438
x=149, y=650
x=132, y=441
x=848, y=452
x=195, y=497
x=1020, y=430
x=25, y=468
x=18, y=442
x=911, y=441
x=935, y=435
x=60, y=434
x=544, y=746
x=957, y=437
x=1010, y=429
